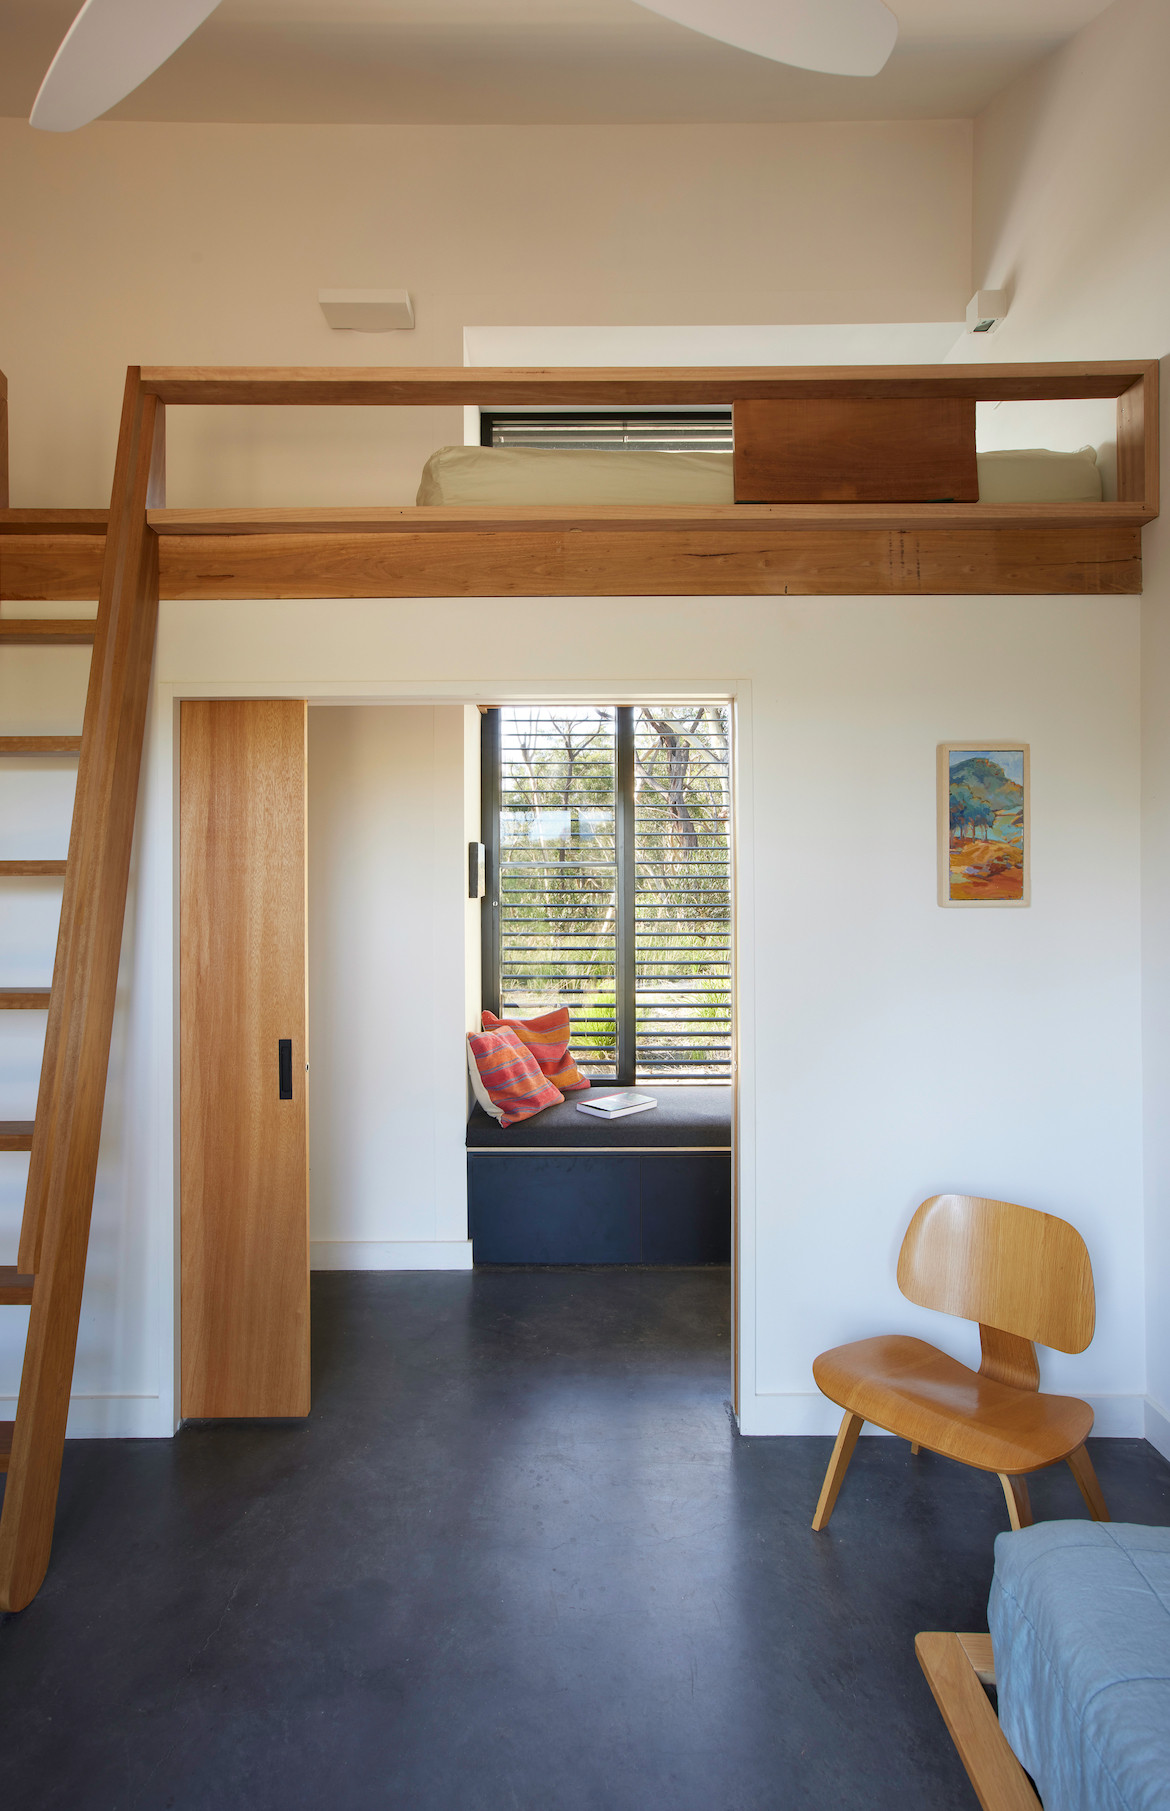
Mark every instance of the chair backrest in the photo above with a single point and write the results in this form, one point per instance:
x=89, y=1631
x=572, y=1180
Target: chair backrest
x=1005, y=1266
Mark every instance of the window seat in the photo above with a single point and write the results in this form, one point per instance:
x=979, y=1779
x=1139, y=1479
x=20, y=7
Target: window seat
x=566, y=1188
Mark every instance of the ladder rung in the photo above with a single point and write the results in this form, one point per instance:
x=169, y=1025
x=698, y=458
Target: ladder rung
x=6, y=1432
x=15, y=1287
x=61, y=630
x=40, y=745
x=24, y=999
x=12, y=869
x=16, y=1134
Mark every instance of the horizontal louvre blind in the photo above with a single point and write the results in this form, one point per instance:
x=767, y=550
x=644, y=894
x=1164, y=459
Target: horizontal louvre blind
x=682, y=834
x=699, y=430
x=557, y=873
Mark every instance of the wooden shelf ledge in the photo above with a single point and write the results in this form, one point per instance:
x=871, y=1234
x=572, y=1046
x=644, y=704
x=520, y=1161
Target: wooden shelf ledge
x=716, y=518
x=24, y=999
x=16, y=1134
x=30, y=870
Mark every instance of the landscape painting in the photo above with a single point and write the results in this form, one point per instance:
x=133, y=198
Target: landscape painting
x=983, y=823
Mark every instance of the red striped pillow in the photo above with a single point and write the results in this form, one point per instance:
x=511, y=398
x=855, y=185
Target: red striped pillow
x=508, y=1075
x=547, y=1038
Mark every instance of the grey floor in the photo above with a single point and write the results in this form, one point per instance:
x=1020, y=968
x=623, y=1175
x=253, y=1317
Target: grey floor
x=518, y=1557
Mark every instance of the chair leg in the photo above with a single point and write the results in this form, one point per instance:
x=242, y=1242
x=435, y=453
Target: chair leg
x=1019, y=1508
x=1081, y=1466
x=838, y=1465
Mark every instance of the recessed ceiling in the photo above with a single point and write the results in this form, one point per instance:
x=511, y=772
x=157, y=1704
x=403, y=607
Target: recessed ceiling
x=602, y=62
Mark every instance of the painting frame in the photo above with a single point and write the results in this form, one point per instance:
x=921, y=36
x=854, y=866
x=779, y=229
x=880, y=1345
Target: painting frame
x=989, y=746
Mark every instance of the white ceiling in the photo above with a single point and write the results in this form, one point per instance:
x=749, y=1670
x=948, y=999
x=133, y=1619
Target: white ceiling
x=535, y=61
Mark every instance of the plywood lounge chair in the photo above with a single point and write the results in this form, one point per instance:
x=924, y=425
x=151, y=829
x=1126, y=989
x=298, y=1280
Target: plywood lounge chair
x=1023, y=1276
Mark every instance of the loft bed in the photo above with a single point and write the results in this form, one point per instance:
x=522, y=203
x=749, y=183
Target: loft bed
x=860, y=432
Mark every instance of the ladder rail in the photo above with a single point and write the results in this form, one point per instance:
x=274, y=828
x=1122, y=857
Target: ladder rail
x=67, y=1128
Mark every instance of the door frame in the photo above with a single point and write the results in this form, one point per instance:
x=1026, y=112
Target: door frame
x=156, y=960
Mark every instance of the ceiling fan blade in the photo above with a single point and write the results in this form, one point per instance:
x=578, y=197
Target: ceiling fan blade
x=110, y=48
x=836, y=37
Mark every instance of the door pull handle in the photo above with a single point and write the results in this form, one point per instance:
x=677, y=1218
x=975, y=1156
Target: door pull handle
x=284, y=1066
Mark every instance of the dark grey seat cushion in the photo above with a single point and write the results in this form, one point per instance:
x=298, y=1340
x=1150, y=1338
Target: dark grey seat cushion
x=683, y=1116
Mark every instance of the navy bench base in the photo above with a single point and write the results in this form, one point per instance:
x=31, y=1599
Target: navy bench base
x=557, y=1208
x=539, y=1204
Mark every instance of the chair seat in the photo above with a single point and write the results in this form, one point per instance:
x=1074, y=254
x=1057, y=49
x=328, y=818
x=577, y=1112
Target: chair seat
x=912, y=1389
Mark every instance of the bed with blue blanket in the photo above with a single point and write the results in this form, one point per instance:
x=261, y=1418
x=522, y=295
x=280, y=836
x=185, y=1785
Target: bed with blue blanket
x=1079, y=1652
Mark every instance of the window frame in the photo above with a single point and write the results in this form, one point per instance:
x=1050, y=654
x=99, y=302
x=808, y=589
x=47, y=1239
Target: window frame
x=625, y=892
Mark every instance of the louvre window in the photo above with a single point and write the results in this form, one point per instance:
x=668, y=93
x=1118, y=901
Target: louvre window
x=609, y=881
x=662, y=431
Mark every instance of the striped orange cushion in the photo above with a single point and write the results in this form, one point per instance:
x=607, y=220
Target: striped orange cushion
x=510, y=1076
x=548, y=1040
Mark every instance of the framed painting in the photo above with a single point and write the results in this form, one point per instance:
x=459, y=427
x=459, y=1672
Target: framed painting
x=983, y=808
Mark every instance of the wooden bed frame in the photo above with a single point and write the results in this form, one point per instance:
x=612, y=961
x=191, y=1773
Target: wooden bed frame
x=957, y=1668
x=811, y=549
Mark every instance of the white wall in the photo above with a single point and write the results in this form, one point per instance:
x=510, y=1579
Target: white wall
x=1072, y=216
x=174, y=244
x=388, y=992
x=891, y=1049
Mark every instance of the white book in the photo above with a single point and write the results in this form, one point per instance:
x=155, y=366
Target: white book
x=616, y=1106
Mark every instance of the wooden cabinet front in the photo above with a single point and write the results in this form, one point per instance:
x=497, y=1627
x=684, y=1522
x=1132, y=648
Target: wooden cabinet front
x=243, y=1086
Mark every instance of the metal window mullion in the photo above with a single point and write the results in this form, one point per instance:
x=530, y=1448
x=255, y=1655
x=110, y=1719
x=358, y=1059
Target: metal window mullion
x=626, y=977
x=489, y=797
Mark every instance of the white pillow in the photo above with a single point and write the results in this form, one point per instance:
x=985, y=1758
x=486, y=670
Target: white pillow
x=1038, y=475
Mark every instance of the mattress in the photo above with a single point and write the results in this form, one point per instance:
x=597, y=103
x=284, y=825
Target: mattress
x=493, y=476
x=1080, y=1622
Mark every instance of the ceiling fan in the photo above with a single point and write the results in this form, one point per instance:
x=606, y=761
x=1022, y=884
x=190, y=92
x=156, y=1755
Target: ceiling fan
x=113, y=45
x=110, y=48
x=836, y=37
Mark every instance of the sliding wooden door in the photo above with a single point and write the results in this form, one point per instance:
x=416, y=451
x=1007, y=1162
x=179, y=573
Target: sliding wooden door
x=243, y=1087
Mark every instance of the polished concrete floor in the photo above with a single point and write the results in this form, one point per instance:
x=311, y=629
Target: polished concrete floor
x=518, y=1559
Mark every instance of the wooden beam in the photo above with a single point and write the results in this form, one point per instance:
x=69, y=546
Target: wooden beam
x=15, y=1290
x=874, y=562
x=1076, y=548
x=1137, y=442
x=1000, y=1782
x=40, y=745
x=429, y=386
x=3, y=441
x=53, y=521
x=67, y=1130
x=63, y=568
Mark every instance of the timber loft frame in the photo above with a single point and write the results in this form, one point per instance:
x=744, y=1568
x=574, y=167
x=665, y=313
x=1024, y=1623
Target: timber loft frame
x=742, y=549
x=138, y=550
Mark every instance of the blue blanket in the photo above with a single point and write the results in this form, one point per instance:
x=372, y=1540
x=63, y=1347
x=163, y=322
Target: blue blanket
x=1080, y=1621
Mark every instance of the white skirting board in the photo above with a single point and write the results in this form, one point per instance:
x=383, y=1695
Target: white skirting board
x=110, y=1417
x=1158, y=1428
x=390, y=1254
x=1116, y=1417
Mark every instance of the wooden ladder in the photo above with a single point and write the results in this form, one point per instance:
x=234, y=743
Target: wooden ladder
x=63, y=1139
